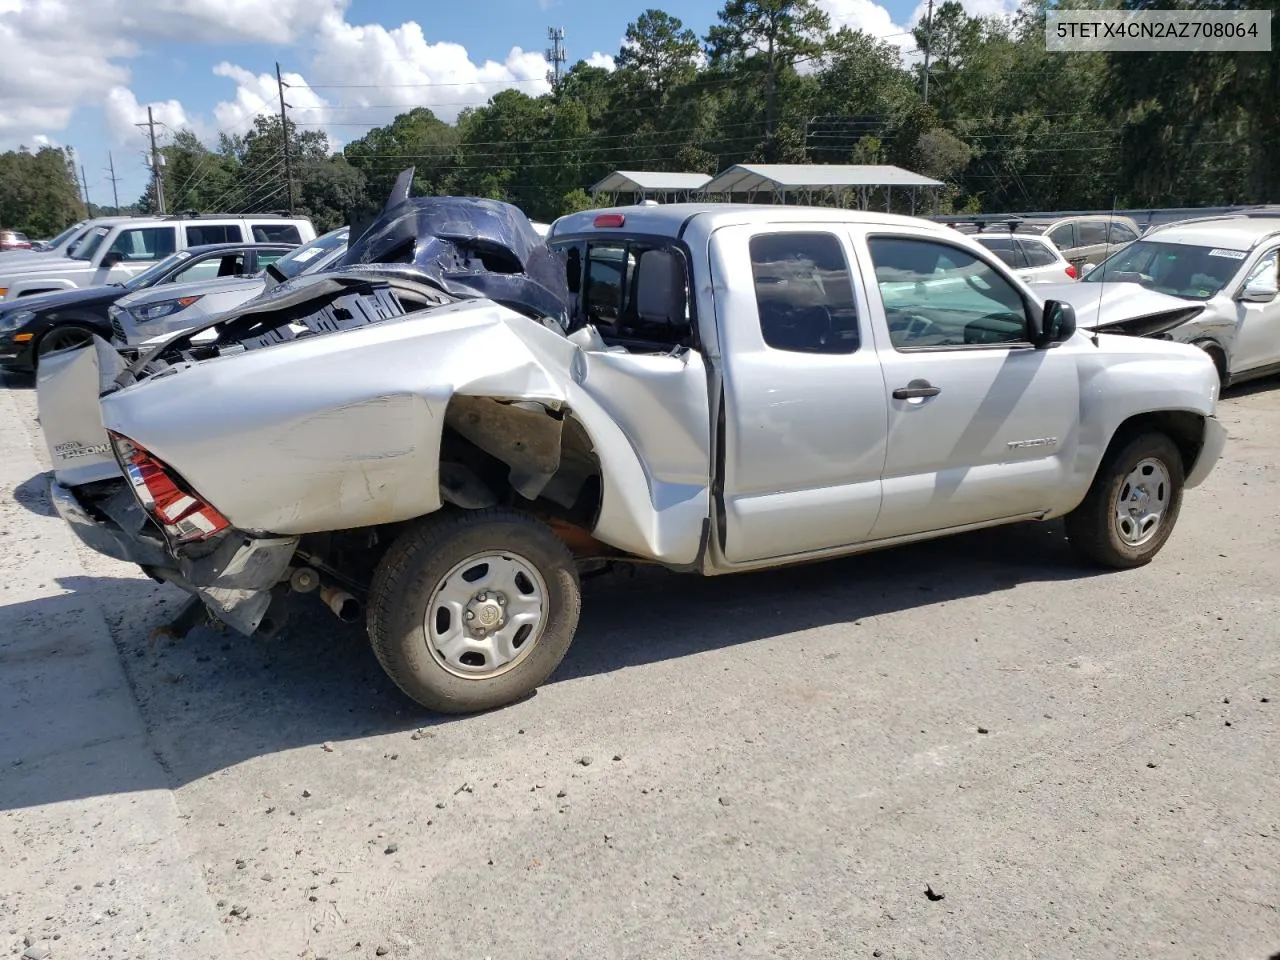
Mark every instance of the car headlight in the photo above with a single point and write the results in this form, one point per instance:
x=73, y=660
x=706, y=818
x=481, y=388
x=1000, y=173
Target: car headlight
x=164, y=308
x=12, y=321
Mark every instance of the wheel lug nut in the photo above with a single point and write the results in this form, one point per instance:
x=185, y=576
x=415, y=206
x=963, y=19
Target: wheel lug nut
x=502, y=601
x=471, y=615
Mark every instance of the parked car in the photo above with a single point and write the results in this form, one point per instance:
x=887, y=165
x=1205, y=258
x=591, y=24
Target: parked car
x=1090, y=240
x=144, y=315
x=1224, y=269
x=63, y=245
x=114, y=252
x=1032, y=256
x=13, y=240
x=458, y=419
x=33, y=326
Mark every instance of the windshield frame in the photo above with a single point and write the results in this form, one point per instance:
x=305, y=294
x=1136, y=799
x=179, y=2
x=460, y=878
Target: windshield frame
x=1105, y=271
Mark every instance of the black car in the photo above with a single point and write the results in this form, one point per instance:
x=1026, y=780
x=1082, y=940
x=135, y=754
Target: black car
x=33, y=326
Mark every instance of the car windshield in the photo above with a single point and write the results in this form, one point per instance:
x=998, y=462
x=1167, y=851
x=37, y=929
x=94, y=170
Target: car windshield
x=304, y=258
x=1178, y=269
x=90, y=244
x=65, y=235
x=152, y=274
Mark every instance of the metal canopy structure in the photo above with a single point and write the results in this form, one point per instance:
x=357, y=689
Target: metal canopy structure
x=836, y=183
x=651, y=184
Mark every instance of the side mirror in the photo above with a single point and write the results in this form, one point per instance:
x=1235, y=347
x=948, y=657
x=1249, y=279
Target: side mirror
x=1261, y=290
x=1056, y=324
x=111, y=259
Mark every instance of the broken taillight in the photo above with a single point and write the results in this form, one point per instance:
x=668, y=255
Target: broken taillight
x=181, y=512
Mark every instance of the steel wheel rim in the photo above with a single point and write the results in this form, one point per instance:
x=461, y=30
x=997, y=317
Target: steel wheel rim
x=486, y=615
x=1142, y=502
x=61, y=339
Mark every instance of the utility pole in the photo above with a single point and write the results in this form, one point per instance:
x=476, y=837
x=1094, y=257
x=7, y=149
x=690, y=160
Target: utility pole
x=928, y=48
x=84, y=185
x=284, y=139
x=556, y=54
x=157, y=161
x=115, y=192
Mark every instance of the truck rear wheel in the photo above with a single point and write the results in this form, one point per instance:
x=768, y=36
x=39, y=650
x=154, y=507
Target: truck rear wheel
x=1132, y=506
x=471, y=611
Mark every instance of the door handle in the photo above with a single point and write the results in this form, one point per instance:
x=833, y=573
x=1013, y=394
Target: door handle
x=917, y=389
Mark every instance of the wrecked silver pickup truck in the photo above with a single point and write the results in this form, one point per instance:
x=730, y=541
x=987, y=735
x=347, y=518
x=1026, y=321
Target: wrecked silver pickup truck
x=450, y=427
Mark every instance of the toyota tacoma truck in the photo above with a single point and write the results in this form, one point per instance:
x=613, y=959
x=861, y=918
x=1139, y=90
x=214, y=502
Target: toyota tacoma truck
x=447, y=430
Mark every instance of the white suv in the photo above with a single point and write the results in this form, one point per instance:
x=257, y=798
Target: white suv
x=1032, y=256
x=114, y=252
x=1228, y=265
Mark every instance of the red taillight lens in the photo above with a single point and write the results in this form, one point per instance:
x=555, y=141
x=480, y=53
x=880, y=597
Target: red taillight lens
x=610, y=220
x=1071, y=271
x=183, y=514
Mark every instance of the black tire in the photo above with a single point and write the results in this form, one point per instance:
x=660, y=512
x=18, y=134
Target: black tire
x=60, y=337
x=420, y=561
x=1219, y=359
x=1092, y=527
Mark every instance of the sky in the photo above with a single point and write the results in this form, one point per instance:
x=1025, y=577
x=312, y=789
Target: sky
x=81, y=73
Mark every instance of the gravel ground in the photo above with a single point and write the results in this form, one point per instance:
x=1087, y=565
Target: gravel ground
x=969, y=749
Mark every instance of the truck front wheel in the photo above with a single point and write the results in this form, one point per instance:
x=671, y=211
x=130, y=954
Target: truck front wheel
x=472, y=611
x=1132, y=505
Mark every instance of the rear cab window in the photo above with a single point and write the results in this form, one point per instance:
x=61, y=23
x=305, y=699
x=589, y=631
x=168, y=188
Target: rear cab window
x=633, y=290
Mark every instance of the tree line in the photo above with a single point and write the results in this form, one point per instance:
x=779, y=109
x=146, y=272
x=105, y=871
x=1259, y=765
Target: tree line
x=1004, y=123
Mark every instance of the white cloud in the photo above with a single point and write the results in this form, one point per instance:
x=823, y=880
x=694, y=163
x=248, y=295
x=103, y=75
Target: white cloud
x=123, y=113
x=399, y=68
x=598, y=59
x=870, y=17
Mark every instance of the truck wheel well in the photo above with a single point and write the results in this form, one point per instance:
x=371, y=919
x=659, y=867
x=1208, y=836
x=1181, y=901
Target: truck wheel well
x=522, y=454
x=1185, y=429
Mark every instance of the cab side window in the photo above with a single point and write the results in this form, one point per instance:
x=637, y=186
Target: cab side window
x=1037, y=254
x=1092, y=233
x=937, y=296
x=143, y=245
x=199, y=234
x=1064, y=236
x=1266, y=270
x=276, y=233
x=804, y=293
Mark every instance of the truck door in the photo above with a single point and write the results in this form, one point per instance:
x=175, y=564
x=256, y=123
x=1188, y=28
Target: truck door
x=982, y=426
x=804, y=398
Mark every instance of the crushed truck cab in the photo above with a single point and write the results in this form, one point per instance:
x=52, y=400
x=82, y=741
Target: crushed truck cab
x=451, y=427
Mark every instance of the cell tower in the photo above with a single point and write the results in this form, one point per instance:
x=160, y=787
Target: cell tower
x=556, y=55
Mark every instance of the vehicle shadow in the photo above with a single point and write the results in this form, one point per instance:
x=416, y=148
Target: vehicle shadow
x=1251, y=387
x=214, y=699
x=17, y=381
x=33, y=494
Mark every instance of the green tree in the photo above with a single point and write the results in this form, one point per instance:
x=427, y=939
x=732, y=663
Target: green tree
x=774, y=33
x=39, y=192
x=658, y=54
x=419, y=139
